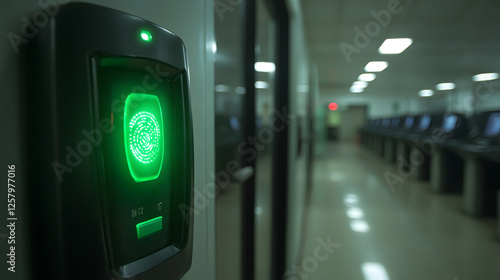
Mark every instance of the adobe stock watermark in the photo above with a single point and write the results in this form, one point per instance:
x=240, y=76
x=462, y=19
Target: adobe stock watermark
x=363, y=37
x=323, y=251
x=39, y=20
x=482, y=92
x=94, y=137
x=405, y=168
x=223, y=6
x=248, y=150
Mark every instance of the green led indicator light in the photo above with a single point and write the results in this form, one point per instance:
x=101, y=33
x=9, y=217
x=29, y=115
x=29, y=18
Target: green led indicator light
x=149, y=227
x=143, y=133
x=146, y=36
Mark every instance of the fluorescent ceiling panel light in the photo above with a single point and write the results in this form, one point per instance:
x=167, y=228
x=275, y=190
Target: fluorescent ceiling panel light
x=222, y=88
x=360, y=84
x=395, y=45
x=426, y=93
x=445, y=86
x=264, y=67
x=374, y=271
x=485, y=77
x=376, y=66
x=367, y=77
x=356, y=89
x=261, y=85
x=359, y=226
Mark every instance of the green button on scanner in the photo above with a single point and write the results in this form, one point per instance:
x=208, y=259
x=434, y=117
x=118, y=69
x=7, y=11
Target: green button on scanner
x=149, y=227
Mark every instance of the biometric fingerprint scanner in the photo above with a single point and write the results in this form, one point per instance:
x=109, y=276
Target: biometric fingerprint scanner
x=143, y=130
x=149, y=227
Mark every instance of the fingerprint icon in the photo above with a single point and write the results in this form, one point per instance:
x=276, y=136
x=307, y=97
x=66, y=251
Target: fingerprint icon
x=144, y=137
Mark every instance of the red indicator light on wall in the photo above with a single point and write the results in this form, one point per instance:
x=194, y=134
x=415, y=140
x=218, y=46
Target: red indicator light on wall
x=333, y=106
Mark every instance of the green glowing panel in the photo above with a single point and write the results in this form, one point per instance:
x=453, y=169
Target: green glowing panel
x=149, y=227
x=143, y=134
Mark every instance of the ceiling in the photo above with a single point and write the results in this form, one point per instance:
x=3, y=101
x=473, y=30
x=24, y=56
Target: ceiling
x=452, y=41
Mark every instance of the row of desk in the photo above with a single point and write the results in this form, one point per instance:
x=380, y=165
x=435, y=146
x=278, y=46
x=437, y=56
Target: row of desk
x=453, y=152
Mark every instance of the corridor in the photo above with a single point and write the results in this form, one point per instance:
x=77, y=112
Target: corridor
x=405, y=234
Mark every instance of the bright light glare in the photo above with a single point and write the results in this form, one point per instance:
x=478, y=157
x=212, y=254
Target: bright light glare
x=356, y=89
x=355, y=213
x=360, y=84
x=351, y=199
x=333, y=106
x=359, y=226
x=445, y=86
x=222, y=88
x=264, y=67
x=485, y=77
x=214, y=47
x=395, y=46
x=367, y=77
x=376, y=66
x=374, y=271
x=146, y=36
x=426, y=93
x=261, y=85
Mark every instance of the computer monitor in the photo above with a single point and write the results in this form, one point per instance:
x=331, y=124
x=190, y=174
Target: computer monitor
x=395, y=122
x=386, y=122
x=409, y=122
x=425, y=121
x=449, y=123
x=493, y=125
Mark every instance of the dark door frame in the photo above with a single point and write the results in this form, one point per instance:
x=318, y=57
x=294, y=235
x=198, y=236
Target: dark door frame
x=279, y=11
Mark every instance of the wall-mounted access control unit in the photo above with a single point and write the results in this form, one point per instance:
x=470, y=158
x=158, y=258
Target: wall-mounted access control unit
x=110, y=147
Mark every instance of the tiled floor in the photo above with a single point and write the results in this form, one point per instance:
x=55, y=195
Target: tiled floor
x=409, y=232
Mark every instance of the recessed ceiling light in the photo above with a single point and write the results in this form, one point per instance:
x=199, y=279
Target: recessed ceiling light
x=395, y=45
x=264, y=67
x=356, y=89
x=261, y=85
x=485, y=77
x=367, y=77
x=445, y=86
x=426, y=93
x=376, y=66
x=360, y=84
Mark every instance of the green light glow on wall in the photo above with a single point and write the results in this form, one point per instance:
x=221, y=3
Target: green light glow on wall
x=143, y=133
x=146, y=36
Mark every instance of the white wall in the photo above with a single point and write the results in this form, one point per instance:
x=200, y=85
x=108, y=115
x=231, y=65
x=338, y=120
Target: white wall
x=192, y=20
